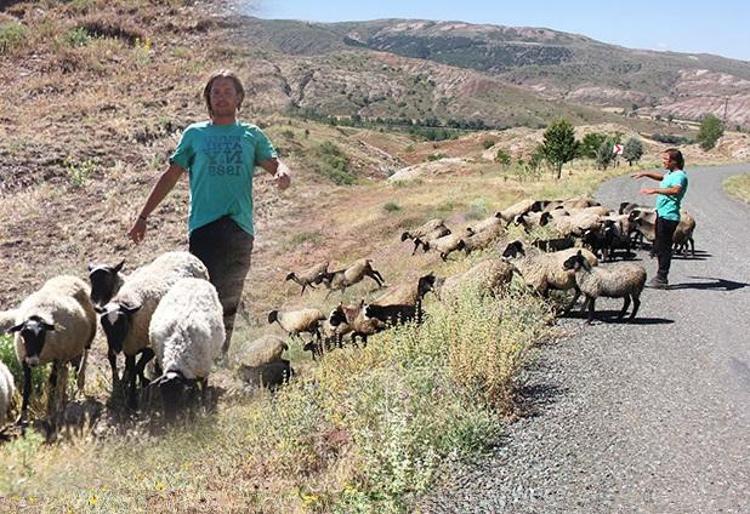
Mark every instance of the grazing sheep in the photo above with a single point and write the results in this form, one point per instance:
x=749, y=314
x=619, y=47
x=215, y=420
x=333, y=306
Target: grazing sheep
x=432, y=229
x=554, y=245
x=447, y=244
x=125, y=319
x=622, y=280
x=580, y=202
x=628, y=207
x=488, y=223
x=576, y=224
x=339, y=280
x=265, y=349
x=531, y=220
x=354, y=316
x=106, y=281
x=407, y=294
x=644, y=223
x=297, y=322
x=186, y=334
x=7, y=392
x=483, y=239
x=270, y=375
x=488, y=276
x=519, y=208
x=55, y=324
x=310, y=277
x=544, y=271
x=392, y=314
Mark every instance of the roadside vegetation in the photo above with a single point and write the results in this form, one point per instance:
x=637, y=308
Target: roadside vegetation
x=739, y=186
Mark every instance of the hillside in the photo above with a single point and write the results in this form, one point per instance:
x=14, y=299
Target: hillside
x=549, y=64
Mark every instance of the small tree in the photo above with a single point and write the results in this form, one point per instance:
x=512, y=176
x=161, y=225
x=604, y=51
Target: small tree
x=711, y=130
x=633, y=150
x=590, y=144
x=605, y=154
x=502, y=157
x=560, y=145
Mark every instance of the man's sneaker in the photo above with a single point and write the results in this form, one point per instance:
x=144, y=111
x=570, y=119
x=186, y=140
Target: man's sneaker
x=658, y=283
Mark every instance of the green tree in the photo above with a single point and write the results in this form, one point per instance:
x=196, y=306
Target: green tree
x=590, y=144
x=605, y=154
x=711, y=130
x=560, y=145
x=633, y=150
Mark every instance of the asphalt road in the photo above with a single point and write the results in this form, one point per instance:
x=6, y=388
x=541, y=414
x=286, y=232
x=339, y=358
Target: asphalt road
x=652, y=416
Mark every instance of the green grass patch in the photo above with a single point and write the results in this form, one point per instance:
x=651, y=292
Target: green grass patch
x=12, y=35
x=313, y=238
x=391, y=207
x=738, y=186
x=333, y=163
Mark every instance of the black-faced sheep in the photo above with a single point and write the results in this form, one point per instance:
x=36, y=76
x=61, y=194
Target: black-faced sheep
x=622, y=280
x=55, y=324
x=487, y=276
x=339, y=280
x=7, y=392
x=298, y=321
x=354, y=316
x=186, y=334
x=447, y=244
x=430, y=230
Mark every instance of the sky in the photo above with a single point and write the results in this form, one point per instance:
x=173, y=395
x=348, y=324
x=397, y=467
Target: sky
x=716, y=27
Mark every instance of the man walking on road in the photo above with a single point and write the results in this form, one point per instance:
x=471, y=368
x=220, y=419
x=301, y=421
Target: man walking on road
x=672, y=188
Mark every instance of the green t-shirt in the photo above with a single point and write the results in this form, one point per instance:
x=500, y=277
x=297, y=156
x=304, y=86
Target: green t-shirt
x=668, y=206
x=220, y=160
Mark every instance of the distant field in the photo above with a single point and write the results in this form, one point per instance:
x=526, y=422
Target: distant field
x=739, y=186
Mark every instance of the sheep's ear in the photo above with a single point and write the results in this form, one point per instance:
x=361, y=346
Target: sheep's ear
x=130, y=309
x=47, y=326
x=290, y=276
x=90, y=267
x=118, y=268
x=99, y=309
x=579, y=253
x=16, y=328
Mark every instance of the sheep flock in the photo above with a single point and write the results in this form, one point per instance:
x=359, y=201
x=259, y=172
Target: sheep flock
x=166, y=320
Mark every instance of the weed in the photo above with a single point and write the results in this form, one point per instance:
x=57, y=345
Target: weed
x=314, y=238
x=334, y=164
x=79, y=173
x=391, y=207
x=478, y=210
x=78, y=36
x=12, y=35
x=289, y=134
x=436, y=157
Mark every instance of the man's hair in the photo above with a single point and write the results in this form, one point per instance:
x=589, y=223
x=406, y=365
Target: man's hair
x=676, y=157
x=226, y=74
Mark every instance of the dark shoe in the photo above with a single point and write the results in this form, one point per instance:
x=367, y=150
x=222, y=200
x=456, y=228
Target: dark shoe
x=658, y=283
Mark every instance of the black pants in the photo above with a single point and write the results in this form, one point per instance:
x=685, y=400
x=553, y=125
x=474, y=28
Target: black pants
x=663, y=245
x=225, y=249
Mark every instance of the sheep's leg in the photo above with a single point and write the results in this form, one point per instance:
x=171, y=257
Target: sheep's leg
x=416, y=247
x=692, y=247
x=21, y=421
x=379, y=277
x=591, y=302
x=129, y=377
x=81, y=372
x=303, y=289
x=146, y=355
x=576, y=296
x=625, y=305
x=636, y=304
x=112, y=357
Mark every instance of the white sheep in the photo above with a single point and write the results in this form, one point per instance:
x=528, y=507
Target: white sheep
x=126, y=318
x=186, y=333
x=260, y=362
x=7, y=392
x=299, y=321
x=55, y=324
x=488, y=276
x=7, y=320
x=106, y=280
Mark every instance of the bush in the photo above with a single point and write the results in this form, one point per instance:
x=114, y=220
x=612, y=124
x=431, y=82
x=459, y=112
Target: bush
x=488, y=143
x=503, y=157
x=78, y=36
x=39, y=374
x=436, y=156
x=478, y=210
x=711, y=130
x=671, y=139
x=633, y=150
x=12, y=35
x=560, y=145
x=335, y=164
x=590, y=144
x=391, y=207
x=79, y=172
x=605, y=154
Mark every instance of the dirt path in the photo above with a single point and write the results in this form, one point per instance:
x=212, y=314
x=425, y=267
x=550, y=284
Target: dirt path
x=646, y=417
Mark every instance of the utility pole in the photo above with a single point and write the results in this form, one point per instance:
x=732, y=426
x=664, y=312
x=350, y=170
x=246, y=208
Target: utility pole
x=726, y=107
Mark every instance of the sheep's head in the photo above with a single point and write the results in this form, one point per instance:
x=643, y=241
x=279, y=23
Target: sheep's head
x=174, y=390
x=337, y=316
x=576, y=262
x=33, y=331
x=514, y=249
x=116, y=320
x=291, y=276
x=545, y=219
x=405, y=236
x=426, y=284
x=105, y=281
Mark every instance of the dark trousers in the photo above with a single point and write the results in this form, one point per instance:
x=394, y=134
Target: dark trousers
x=225, y=249
x=663, y=245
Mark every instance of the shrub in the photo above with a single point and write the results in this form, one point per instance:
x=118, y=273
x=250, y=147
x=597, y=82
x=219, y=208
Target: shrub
x=671, y=139
x=478, y=210
x=335, y=164
x=502, y=157
x=605, y=154
x=12, y=35
x=79, y=172
x=436, y=157
x=488, y=143
x=560, y=145
x=711, y=130
x=78, y=36
x=633, y=150
x=590, y=144
x=391, y=207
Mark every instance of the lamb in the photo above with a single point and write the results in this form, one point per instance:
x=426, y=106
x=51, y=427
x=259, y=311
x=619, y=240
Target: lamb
x=354, y=316
x=106, y=281
x=353, y=274
x=310, y=277
x=297, y=322
x=488, y=276
x=7, y=392
x=186, y=333
x=392, y=314
x=126, y=317
x=55, y=324
x=543, y=271
x=432, y=229
x=622, y=280
x=447, y=244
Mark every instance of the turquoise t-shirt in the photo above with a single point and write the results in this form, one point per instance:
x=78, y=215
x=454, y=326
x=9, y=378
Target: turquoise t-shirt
x=220, y=160
x=668, y=206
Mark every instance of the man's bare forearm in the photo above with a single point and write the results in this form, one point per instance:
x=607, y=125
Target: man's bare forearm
x=161, y=189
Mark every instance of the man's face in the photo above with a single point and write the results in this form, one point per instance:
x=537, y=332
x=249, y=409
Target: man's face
x=224, y=98
x=666, y=161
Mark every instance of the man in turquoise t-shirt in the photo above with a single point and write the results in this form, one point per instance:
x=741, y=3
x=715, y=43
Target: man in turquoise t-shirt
x=219, y=156
x=672, y=188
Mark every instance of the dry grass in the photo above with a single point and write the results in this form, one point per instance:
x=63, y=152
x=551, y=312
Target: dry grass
x=739, y=186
